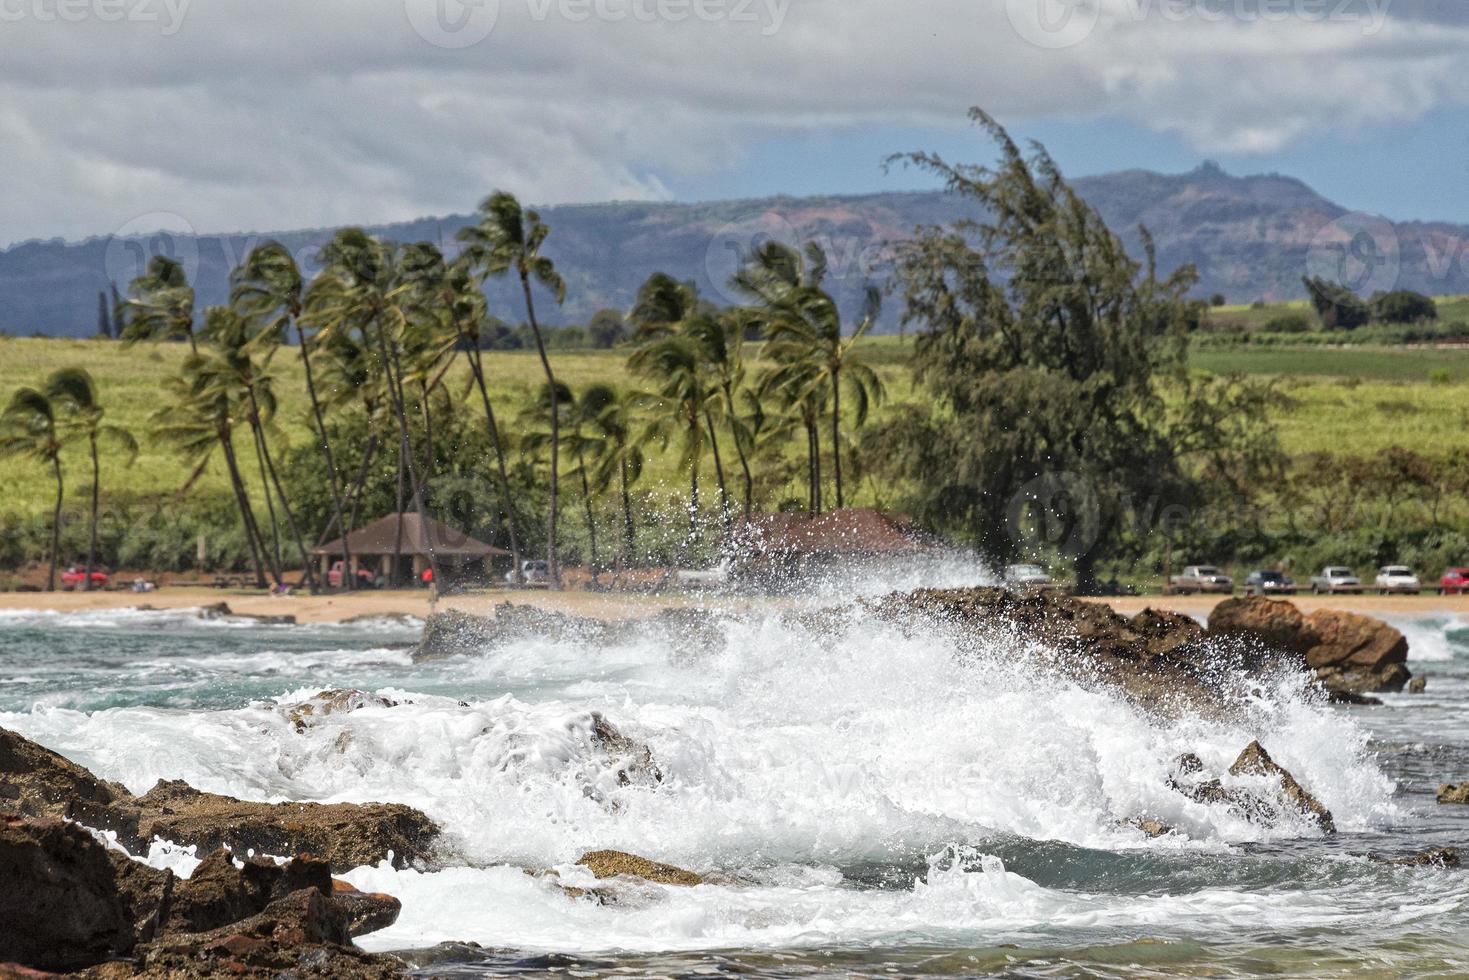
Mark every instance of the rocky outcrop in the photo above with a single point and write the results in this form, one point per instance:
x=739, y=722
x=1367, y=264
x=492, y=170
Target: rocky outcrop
x=69, y=903
x=1436, y=857
x=1349, y=653
x=453, y=633
x=347, y=835
x=1287, y=794
x=1255, y=761
x=366, y=911
x=59, y=905
x=1449, y=793
x=37, y=782
x=611, y=864
x=305, y=714
x=634, y=759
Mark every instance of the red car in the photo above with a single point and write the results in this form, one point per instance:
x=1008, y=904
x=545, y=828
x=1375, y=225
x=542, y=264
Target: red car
x=334, y=576
x=1455, y=581
x=74, y=578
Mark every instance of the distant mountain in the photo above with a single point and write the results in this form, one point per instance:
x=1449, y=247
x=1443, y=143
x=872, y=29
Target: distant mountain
x=1249, y=237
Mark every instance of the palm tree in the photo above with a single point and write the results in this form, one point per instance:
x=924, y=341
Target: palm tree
x=680, y=402
x=202, y=416
x=268, y=287
x=509, y=238
x=360, y=289
x=161, y=306
x=616, y=456
x=73, y=390
x=30, y=431
x=804, y=327
x=673, y=327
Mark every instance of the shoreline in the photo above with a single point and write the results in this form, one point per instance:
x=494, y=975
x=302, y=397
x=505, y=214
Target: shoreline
x=415, y=602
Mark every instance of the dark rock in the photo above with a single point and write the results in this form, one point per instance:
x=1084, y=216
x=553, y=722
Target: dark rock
x=634, y=759
x=1449, y=793
x=1437, y=857
x=1352, y=697
x=306, y=713
x=59, y=905
x=1166, y=632
x=146, y=893
x=347, y=835
x=366, y=911
x=610, y=864
x=1255, y=761
x=39, y=783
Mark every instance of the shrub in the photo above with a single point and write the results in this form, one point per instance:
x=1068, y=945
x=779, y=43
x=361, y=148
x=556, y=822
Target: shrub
x=1402, y=306
x=1288, y=323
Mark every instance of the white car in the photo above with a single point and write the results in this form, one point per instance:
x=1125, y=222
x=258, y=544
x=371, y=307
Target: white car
x=1028, y=577
x=532, y=572
x=1397, y=578
x=1334, y=579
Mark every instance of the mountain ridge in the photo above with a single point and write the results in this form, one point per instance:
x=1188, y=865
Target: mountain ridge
x=1250, y=237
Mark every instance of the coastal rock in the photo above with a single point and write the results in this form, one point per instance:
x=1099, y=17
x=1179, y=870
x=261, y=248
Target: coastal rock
x=347, y=835
x=1152, y=828
x=1449, y=793
x=1357, y=653
x=219, y=893
x=452, y=634
x=366, y=911
x=336, y=702
x=146, y=894
x=222, y=610
x=633, y=758
x=1437, y=857
x=1418, y=685
x=1276, y=623
x=1166, y=632
x=59, y=906
x=610, y=864
x=37, y=782
x=1351, y=654
x=1255, y=761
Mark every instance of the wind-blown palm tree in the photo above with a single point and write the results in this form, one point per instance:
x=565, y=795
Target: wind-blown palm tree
x=616, y=455
x=508, y=239
x=161, y=304
x=202, y=416
x=73, y=390
x=360, y=289
x=268, y=287
x=804, y=327
x=676, y=331
x=681, y=402
x=30, y=430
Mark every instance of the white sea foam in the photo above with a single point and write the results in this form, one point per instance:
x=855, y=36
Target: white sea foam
x=1428, y=636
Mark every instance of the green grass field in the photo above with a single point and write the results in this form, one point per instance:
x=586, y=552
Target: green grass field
x=1357, y=400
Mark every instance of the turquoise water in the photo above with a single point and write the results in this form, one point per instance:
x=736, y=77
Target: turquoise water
x=863, y=800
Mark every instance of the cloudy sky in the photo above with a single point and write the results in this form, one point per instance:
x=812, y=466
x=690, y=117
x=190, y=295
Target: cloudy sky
x=269, y=114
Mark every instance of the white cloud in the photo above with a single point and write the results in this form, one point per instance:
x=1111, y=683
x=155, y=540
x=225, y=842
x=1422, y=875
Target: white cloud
x=273, y=114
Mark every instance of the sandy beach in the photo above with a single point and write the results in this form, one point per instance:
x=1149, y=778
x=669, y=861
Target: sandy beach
x=415, y=602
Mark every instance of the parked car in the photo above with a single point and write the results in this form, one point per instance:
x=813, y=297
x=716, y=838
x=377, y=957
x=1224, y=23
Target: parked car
x=1028, y=577
x=532, y=572
x=75, y=578
x=1201, y=578
x=1397, y=578
x=1455, y=581
x=334, y=576
x=704, y=578
x=1265, y=582
x=1334, y=579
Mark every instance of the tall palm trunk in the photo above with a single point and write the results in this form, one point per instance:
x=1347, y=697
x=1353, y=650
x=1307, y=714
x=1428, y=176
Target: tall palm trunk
x=586, y=492
x=506, y=504
x=813, y=445
x=629, y=542
x=306, y=570
x=349, y=581
x=740, y=451
x=836, y=433
x=530, y=312
x=393, y=374
x=352, y=499
x=242, y=500
x=276, y=569
x=718, y=467
x=92, y=535
x=55, y=524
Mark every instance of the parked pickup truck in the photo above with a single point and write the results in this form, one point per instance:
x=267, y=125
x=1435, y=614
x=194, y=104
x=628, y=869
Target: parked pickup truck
x=1334, y=579
x=1201, y=578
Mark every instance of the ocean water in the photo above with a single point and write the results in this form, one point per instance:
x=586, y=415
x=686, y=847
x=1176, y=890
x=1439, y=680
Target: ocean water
x=864, y=800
